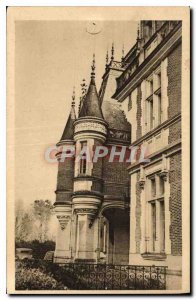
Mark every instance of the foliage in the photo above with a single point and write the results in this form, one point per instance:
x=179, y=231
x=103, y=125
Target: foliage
x=39, y=249
x=35, y=279
x=66, y=278
x=33, y=222
x=23, y=225
x=42, y=213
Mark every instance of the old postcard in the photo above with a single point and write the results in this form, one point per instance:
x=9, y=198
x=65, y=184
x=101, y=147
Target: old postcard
x=98, y=143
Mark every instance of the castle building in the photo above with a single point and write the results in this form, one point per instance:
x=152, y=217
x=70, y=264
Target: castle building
x=124, y=212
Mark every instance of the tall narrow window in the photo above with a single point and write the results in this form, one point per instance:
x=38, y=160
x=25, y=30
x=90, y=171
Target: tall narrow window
x=162, y=226
x=150, y=104
x=154, y=100
x=156, y=213
x=153, y=224
x=83, y=163
x=153, y=187
x=161, y=186
x=158, y=79
x=159, y=109
x=151, y=113
x=130, y=103
x=158, y=94
x=150, y=87
x=103, y=236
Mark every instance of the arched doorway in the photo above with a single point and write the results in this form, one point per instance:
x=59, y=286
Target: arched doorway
x=114, y=235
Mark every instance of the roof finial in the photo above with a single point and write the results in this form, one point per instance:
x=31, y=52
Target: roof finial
x=80, y=104
x=123, y=52
x=93, y=67
x=138, y=31
x=112, y=52
x=84, y=89
x=73, y=98
x=107, y=57
x=83, y=86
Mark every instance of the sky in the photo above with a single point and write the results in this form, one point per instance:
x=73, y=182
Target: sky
x=50, y=58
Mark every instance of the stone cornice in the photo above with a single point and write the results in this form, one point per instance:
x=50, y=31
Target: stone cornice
x=88, y=178
x=117, y=142
x=63, y=192
x=157, y=156
x=87, y=194
x=65, y=142
x=62, y=203
x=91, y=120
x=156, y=130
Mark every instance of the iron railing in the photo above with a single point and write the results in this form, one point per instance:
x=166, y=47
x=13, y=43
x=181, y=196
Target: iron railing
x=116, y=277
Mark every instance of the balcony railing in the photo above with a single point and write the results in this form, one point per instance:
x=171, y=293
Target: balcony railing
x=117, y=65
x=116, y=277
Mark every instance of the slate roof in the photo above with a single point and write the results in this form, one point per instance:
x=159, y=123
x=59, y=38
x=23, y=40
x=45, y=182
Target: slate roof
x=114, y=115
x=91, y=106
x=69, y=128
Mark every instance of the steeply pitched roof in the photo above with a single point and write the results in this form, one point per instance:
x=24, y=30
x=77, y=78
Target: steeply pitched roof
x=69, y=128
x=114, y=116
x=91, y=106
x=112, y=111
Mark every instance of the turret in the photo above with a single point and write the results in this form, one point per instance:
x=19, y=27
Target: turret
x=64, y=189
x=90, y=130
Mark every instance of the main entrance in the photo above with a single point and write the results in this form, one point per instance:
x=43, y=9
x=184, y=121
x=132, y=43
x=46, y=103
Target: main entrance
x=114, y=236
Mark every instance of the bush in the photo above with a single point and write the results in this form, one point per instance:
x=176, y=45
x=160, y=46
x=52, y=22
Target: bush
x=35, y=279
x=66, y=278
x=39, y=249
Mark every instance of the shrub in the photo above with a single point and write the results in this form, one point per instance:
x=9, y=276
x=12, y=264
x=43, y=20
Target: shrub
x=66, y=277
x=39, y=249
x=28, y=278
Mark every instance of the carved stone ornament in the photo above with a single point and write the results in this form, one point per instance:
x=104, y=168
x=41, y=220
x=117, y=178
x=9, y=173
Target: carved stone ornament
x=90, y=126
x=63, y=220
x=119, y=134
x=85, y=211
x=164, y=175
x=91, y=213
x=142, y=184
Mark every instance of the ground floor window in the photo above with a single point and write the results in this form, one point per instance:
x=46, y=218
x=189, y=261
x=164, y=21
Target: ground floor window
x=156, y=214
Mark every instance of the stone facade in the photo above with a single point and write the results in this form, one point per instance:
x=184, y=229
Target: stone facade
x=151, y=97
x=122, y=212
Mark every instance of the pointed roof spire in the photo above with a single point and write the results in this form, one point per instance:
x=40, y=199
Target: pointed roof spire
x=83, y=89
x=123, y=53
x=107, y=58
x=112, y=52
x=69, y=128
x=138, y=31
x=73, y=98
x=91, y=106
x=93, y=67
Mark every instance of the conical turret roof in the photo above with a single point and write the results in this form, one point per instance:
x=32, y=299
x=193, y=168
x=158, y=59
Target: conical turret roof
x=91, y=106
x=69, y=127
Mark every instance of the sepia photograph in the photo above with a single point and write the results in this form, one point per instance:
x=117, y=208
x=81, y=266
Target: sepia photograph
x=98, y=164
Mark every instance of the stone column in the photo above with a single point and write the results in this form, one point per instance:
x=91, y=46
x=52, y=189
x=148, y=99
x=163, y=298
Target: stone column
x=86, y=235
x=63, y=239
